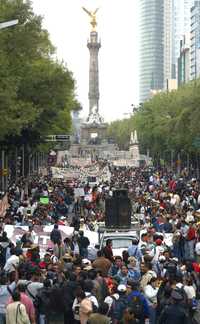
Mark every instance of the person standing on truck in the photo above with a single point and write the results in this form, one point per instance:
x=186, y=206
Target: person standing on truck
x=107, y=250
x=83, y=243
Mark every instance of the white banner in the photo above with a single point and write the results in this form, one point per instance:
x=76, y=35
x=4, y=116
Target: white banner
x=41, y=234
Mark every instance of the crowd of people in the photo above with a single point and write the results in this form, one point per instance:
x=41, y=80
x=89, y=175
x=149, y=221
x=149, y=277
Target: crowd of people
x=154, y=281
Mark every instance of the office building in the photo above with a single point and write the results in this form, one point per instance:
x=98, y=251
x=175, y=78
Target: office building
x=195, y=41
x=151, y=47
x=180, y=26
x=163, y=25
x=184, y=60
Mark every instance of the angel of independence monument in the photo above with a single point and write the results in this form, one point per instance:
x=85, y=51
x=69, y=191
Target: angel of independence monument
x=93, y=130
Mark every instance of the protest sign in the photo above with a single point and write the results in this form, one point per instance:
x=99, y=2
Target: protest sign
x=44, y=200
x=41, y=234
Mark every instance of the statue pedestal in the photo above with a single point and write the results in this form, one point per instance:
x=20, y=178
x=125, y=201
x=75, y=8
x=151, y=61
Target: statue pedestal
x=93, y=133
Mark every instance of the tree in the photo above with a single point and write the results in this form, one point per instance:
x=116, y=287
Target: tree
x=164, y=123
x=37, y=93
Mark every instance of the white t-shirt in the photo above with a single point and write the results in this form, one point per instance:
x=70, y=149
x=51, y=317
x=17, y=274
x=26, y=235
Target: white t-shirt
x=197, y=248
x=190, y=291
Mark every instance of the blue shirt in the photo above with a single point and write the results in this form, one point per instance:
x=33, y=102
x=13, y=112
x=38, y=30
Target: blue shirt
x=135, y=251
x=136, y=293
x=134, y=274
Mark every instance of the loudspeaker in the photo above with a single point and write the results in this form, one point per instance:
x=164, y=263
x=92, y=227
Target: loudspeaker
x=120, y=193
x=118, y=212
x=111, y=218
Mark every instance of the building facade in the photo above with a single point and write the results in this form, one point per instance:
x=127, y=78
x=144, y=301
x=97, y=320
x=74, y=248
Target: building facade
x=151, y=47
x=168, y=41
x=163, y=25
x=195, y=41
x=180, y=26
x=184, y=60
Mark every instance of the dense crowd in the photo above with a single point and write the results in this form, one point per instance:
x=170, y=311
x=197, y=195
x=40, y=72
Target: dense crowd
x=154, y=281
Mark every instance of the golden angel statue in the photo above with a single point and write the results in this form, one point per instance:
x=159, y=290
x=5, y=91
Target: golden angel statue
x=92, y=15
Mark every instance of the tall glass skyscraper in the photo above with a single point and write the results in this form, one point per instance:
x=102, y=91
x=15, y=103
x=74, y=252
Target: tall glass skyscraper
x=151, y=47
x=180, y=26
x=163, y=23
x=195, y=41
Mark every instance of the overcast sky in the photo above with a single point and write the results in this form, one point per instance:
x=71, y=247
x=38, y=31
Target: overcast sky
x=69, y=29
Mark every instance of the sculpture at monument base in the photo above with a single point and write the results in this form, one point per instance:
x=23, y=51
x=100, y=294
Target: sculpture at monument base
x=94, y=117
x=134, y=148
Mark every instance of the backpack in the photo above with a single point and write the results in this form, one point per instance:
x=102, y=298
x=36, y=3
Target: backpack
x=86, y=306
x=43, y=301
x=137, y=306
x=119, y=308
x=94, y=307
x=112, y=307
x=57, y=303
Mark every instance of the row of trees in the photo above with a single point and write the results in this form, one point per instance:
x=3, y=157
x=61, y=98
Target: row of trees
x=37, y=92
x=167, y=122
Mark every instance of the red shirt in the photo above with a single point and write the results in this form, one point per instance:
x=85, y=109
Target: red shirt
x=191, y=234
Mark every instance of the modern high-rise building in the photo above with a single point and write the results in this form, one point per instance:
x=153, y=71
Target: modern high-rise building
x=184, y=60
x=180, y=26
x=195, y=41
x=163, y=25
x=168, y=41
x=151, y=47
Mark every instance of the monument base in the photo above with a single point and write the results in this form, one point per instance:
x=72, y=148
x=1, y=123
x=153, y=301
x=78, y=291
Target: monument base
x=93, y=133
x=92, y=151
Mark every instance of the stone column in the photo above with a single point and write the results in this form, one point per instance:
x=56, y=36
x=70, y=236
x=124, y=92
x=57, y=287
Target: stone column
x=93, y=46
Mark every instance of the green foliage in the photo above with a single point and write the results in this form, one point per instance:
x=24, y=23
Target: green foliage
x=120, y=131
x=36, y=92
x=169, y=121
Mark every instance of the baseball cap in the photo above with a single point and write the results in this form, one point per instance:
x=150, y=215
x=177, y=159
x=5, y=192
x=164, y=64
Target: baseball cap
x=158, y=241
x=162, y=258
x=121, y=288
x=86, y=262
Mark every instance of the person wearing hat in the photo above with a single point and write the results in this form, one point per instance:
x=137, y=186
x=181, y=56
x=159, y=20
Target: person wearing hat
x=158, y=266
x=150, y=292
x=66, y=262
x=120, y=304
x=174, y=313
